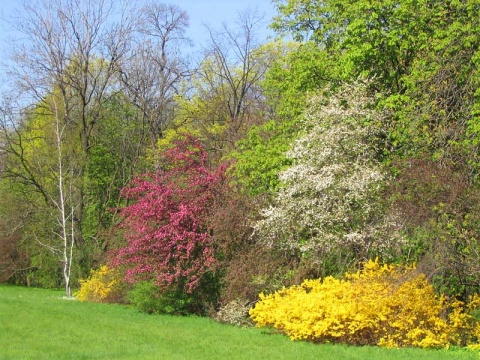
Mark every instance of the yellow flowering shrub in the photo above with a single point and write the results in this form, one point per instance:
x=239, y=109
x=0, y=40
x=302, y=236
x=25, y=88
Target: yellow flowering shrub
x=379, y=305
x=101, y=285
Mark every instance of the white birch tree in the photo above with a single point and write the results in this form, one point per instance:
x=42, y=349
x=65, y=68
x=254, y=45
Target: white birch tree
x=64, y=202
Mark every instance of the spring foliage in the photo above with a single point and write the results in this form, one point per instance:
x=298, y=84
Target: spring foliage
x=166, y=228
x=379, y=305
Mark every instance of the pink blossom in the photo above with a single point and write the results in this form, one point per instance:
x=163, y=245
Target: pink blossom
x=167, y=232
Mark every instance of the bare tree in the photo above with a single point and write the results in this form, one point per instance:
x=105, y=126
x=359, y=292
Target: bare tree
x=233, y=65
x=74, y=48
x=154, y=69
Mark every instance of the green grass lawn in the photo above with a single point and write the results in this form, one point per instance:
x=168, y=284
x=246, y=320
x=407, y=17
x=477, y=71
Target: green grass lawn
x=40, y=324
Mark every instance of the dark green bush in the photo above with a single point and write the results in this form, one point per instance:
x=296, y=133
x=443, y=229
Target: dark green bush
x=147, y=297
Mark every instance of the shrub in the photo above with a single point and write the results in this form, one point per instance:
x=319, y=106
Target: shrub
x=379, y=305
x=256, y=269
x=439, y=212
x=103, y=285
x=147, y=297
x=234, y=313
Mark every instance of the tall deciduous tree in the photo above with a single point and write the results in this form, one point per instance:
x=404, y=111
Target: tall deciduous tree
x=224, y=98
x=65, y=69
x=421, y=54
x=377, y=39
x=152, y=72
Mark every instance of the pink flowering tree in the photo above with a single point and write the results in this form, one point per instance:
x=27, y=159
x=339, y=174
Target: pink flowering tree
x=168, y=237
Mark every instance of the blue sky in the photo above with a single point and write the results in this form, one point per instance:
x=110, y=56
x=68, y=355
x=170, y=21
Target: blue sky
x=210, y=12
x=214, y=12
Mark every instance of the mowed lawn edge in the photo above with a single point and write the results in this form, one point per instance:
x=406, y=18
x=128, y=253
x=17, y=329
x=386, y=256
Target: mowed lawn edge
x=41, y=324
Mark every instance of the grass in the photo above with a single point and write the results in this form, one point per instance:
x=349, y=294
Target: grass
x=40, y=324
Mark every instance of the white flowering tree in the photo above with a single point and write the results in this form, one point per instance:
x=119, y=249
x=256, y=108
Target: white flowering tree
x=329, y=201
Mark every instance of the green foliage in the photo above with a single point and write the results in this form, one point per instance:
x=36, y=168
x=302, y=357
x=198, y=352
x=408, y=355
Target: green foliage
x=300, y=70
x=261, y=155
x=34, y=258
x=436, y=112
x=305, y=20
x=44, y=271
x=452, y=251
x=373, y=39
x=421, y=55
x=39, y=242
x=38, y=158
x=114, y=157
x=43, y=157
x=14, y=259
x=147, y=298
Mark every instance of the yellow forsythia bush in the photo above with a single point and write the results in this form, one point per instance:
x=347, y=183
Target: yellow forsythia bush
x=379, y=305
x=100, y=286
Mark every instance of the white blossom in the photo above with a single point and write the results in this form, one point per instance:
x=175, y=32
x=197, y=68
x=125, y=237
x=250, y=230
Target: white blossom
x=329, y=198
